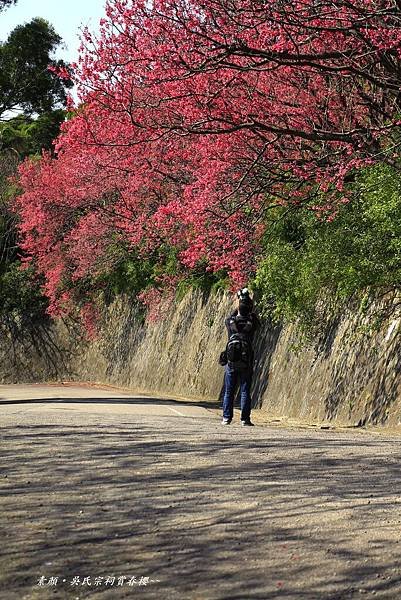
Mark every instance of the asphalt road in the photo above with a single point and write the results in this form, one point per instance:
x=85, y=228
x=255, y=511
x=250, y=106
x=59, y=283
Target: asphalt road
x=104, y=494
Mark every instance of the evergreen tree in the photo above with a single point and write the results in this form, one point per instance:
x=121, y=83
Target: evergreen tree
x=6, y=3
x=26, y=82
x=32, y=91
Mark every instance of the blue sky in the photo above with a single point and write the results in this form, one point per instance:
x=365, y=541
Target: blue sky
x=67, y=17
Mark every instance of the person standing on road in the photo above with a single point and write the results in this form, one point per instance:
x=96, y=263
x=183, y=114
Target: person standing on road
x=241, y=326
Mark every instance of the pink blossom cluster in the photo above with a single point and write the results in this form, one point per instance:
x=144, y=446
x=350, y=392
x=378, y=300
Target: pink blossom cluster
x=197, y=118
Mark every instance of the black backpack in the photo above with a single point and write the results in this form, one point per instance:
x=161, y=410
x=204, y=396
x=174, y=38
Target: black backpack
x=239, y=349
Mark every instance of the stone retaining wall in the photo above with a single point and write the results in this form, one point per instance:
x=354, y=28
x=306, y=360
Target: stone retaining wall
x=349, y=375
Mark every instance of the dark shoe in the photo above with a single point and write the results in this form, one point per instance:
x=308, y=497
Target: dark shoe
x=226, y=421
x=247, y=423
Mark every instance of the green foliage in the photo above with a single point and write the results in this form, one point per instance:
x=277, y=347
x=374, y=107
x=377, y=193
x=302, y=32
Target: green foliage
x=6, y=3
x=29, y=136
x=204, y=281
x=21, y=299
x=27, y=86
x=25, y=81
x=306, y=260
x=130, y=276
x=22, y=304
x=8, y=238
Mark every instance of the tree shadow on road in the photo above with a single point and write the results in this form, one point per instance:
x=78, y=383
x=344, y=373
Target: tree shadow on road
x=208, y=513
x=121, y=400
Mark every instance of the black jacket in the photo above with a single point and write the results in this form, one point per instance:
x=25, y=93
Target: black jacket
x=247, y=325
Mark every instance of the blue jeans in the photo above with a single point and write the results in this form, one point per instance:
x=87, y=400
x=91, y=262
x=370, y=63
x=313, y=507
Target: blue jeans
x=231, y=379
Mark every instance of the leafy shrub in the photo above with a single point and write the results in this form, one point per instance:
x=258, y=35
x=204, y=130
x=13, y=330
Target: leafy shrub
x=305, y=259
